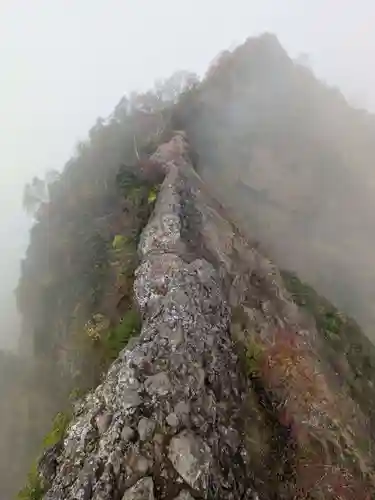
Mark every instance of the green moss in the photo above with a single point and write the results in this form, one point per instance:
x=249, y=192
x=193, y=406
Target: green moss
x=331, y=322
x=33, y=489
x=328, y=319
x=254, y=355
x=119, y=242
x=59, y=426
x=346, y=347
x=117, y=338
x=152, y=195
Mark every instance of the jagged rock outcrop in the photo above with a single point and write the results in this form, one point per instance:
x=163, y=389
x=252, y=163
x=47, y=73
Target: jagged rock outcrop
x=223, y=395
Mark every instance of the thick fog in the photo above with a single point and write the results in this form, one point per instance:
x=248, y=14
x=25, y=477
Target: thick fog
x=64, y=63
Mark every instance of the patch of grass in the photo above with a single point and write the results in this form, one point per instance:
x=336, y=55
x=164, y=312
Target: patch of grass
x=331, y=322
x=328, y=319
x=33, y=489
x=152, y=195
x=254, y=357
x=346, y=347
x=117, y=338
x=59, y=426
x=119, y=242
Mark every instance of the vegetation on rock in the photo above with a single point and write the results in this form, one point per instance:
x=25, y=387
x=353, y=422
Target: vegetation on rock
x=344, y=346
x=33, y=489
x=117, y=338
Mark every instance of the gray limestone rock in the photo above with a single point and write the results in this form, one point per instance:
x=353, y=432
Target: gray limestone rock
x=182, y=410
x=127, y=434
x=131, y=399
x=103, y=422
x=146, y=428
x=172, y=420
x=231, y=438
x=138, y=463
x=192, y=459
x=142, y=490
x=48, y=463
x=184, y=495
x=158, y=384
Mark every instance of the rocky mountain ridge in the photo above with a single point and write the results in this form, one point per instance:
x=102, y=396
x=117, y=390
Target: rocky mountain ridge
x=226, y=393
x=271, y=393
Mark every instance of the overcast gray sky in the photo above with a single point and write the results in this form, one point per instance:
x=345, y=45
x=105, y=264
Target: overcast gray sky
x=65, y=62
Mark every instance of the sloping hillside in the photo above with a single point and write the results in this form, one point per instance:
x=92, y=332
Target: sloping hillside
x=301, y=166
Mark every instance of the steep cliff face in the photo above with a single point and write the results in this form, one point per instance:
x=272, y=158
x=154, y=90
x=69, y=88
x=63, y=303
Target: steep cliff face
x=227, y=391
x=273, y=140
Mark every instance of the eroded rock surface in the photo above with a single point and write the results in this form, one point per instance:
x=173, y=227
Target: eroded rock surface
x=179, y=415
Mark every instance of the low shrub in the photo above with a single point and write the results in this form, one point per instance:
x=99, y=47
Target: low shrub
x=33, y=490
x=118, y=337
